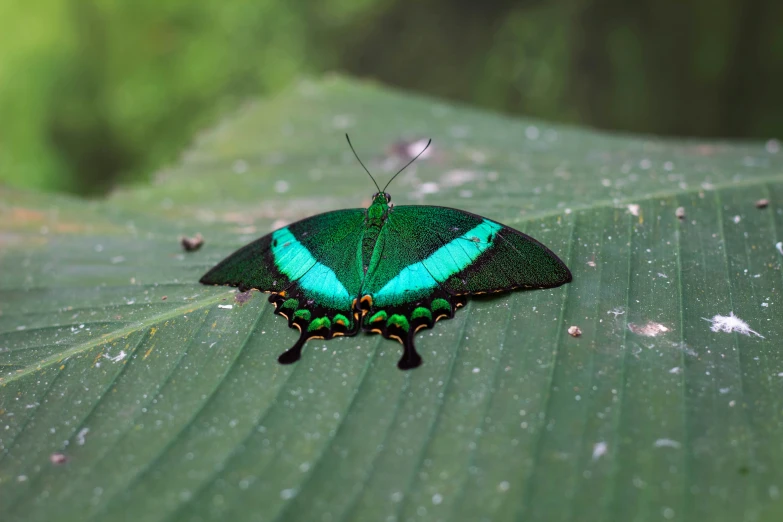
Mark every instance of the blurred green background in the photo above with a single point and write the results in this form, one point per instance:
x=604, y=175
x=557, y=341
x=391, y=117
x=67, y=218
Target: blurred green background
x=96, y=92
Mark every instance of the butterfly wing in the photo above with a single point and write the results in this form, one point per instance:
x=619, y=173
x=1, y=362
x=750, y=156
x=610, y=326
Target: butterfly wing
x=311, y=268
x=434, y=256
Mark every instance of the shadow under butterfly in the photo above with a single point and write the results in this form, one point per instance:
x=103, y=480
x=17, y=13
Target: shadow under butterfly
x=385, y=269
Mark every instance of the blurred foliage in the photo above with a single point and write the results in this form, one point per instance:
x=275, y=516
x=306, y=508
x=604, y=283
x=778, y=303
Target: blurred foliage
x=92, y=91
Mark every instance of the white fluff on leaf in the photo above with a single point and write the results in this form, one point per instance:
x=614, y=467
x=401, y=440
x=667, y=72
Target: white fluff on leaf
x=731, y=323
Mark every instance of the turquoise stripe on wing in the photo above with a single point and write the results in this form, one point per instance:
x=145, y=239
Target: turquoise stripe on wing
x=317, y=280
x=419, y=279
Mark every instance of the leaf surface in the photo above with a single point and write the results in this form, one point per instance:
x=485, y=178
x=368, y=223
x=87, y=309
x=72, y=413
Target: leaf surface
x=166, y=402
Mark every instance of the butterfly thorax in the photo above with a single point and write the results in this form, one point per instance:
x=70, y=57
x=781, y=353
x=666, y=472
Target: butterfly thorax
x=378, y=210
x=377, y=213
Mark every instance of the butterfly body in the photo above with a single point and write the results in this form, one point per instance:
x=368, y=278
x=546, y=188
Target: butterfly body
x=385, y=269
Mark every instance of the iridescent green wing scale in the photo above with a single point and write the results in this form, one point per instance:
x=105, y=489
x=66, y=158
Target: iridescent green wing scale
x=312, y=269
x=428, y=259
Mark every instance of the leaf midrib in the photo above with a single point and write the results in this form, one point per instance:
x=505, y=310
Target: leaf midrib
x=116, y=334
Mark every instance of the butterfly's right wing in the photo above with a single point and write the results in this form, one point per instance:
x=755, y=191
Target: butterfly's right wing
x=432, y=257
x=461, y=253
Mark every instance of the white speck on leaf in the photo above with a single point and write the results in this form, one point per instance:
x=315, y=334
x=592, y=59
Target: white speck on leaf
x=667, y=443
x=343, y=121
x=779, y=246
x=81, y=435
x=599, y=450
x=680, y=212
x=287, y=494
x=429, y=188
x=731, y=323
x=651, y=329
x=226, y=307
x=240, y=166
x=416, y=147
x=117, y=358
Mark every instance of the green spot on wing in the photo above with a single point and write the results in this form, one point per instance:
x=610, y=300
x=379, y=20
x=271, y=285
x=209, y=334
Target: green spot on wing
x=302, y=314
x=421, y=312
x=440, y=304
x=399, y=321
x=290, y=304
x=378, y=316
x=318, y=323
x=342, y=320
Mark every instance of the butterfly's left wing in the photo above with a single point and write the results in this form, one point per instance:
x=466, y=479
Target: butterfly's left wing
x=311, y=269
x=434, y=256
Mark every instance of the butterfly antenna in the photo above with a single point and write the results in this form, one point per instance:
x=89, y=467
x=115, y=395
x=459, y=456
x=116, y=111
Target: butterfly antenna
x=407, y=164
x=360, y=162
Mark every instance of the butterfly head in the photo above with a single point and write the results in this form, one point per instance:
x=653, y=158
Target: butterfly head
x=380, y=206
x=382, y=198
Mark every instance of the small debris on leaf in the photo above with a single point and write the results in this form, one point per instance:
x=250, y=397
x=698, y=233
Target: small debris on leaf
x=191, y=244
x=633, y=208
x=164, y=298
x=599, y=450
x=650, y=329
x=779, y=246
x=680, y=212
x=80, y=437
x=731, y=323
x=242, y=297
x=574, y=331
x=226, y=307
x=58, y=458
x=616, y=312
x=116, y=358
x=762, y=203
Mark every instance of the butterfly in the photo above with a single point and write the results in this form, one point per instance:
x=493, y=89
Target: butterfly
x=390, y=270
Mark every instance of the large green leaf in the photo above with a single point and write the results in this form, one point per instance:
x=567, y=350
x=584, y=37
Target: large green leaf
x=169, y=405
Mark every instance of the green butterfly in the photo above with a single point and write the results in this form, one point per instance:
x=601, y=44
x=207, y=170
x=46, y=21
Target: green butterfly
x=385, y=269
